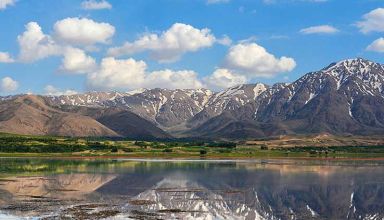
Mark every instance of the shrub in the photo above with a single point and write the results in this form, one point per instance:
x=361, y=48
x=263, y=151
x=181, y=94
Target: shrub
x=222, y=145
x=127, y=150
x=140, y=143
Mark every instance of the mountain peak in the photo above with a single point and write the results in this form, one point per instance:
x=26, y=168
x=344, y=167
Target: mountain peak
x=353, y=65
x=369, y=72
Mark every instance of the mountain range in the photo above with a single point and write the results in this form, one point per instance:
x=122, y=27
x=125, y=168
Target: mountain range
x=344, y=98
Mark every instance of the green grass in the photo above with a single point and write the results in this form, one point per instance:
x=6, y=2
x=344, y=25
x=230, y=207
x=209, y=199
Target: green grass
x=49, y=146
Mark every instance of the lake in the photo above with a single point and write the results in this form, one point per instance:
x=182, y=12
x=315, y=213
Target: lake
x=191, y=189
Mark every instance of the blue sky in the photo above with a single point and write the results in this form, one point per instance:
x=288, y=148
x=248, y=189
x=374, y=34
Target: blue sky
x=178, y=43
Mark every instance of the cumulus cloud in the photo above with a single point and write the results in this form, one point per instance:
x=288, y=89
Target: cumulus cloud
x=35, y=45
x=372, y=22
x=53, y=91
x=170, y=45
x=224, y=78
x=377, y=45
x=184, y=79
x=254, y=60
x=132, y=74
x=82, y=31
x=6, y=58
x=114, y=73
x=95, y=5
x=321, y=29
x=76, y=61
x=8, y=84
x=5, y=3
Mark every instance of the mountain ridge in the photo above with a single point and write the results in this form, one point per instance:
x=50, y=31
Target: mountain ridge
x=346, y=97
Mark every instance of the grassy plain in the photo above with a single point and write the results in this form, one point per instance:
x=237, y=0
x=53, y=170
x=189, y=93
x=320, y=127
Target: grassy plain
x=320, y=146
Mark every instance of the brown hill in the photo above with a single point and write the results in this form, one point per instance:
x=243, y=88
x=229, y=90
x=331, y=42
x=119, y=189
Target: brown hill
x=30, y=115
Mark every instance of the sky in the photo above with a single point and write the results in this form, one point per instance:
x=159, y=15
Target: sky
x=74, y=46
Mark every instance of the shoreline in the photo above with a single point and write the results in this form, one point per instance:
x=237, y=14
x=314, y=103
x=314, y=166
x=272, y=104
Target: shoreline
x=190, y=158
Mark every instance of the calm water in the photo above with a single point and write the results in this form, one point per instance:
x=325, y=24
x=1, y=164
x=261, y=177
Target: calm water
x=133, y=189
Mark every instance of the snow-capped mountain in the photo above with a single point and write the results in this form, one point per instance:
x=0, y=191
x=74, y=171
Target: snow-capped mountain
x=164, y=107
x=91, y=99
x=349, y=81
x=344, y=98
x=169, y=108
x=227, y=100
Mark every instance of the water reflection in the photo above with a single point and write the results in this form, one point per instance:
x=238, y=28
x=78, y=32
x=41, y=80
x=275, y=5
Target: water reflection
x=118, y=189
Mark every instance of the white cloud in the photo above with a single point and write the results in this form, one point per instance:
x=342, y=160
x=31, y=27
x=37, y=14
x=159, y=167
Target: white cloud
x=82, y=31
x=321, y=29
x=224, y=78
x=35, y=45
x=253, y=60
x=76, y=61
x=114, y=73
x=8, y=85
x=377, y=45
x=170, y=45
x=95, y=5
x=53, y=91
x=184, y=79
x=5, y=3
x=372, y=22
x=128, y=74
x=6, y=58
x=217, y=1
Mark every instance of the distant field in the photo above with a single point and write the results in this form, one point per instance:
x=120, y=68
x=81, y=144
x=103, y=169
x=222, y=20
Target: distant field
x=305, y=146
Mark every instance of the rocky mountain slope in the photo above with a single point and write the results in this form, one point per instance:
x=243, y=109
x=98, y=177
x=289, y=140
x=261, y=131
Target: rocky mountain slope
x=123, y=122
x=166, y=108
x=344, y=98
x=227, y=100
x=32, y=115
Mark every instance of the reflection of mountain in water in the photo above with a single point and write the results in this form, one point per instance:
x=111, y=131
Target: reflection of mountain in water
x=264, y=193
x=181, y=198
x=188, y=190
x=34, y=196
